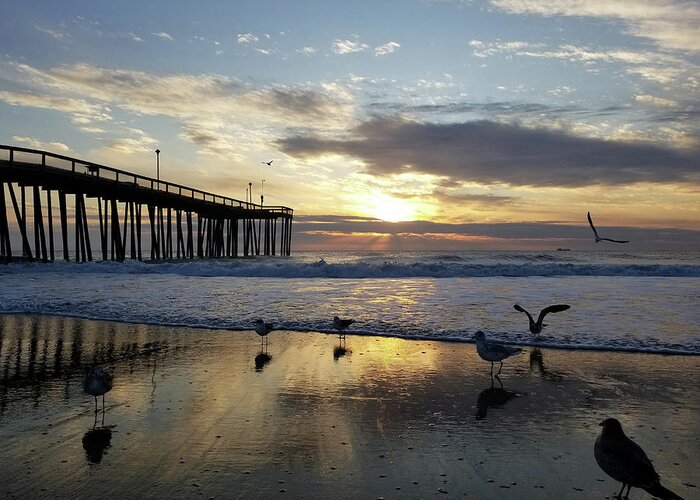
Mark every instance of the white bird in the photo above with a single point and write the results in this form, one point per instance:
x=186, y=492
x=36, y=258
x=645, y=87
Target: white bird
x=98, y=382
x=624, y=460
x=598, y=238
x=492, y=351
x=537, y=326
x=268, y=163
x=262, y=329
x=341, y=324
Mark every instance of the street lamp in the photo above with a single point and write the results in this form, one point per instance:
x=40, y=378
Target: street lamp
x=250, y=190
x=158, y=166
x=262, y=191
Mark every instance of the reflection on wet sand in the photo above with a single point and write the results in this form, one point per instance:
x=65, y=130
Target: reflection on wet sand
x=341, y=349
x=396, y=421
x=493, y=397
x=263, y=358
x=537, y=365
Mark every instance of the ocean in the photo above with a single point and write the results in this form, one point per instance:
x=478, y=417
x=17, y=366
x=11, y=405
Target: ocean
x=624, y=301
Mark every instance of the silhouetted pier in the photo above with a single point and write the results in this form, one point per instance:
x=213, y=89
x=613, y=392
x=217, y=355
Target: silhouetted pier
x=182, y=223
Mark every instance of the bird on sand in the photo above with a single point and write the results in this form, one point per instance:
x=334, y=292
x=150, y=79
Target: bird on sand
x=598, y=238
x=493, y=351
x=98, y=382
x=262, y=329
x=341, y=324
x=537, y=326
x=268, y=163
x=624, y=460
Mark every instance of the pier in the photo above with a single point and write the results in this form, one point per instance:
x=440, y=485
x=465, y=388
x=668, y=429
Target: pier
x=100, y=213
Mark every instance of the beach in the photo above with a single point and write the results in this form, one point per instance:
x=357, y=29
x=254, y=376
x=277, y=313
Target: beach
x=190, y=415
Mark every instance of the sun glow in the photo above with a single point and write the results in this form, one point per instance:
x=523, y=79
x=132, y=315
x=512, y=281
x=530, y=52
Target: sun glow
x=390, y=209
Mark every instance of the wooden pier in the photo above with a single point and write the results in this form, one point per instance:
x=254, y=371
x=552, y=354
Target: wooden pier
x=181, y=223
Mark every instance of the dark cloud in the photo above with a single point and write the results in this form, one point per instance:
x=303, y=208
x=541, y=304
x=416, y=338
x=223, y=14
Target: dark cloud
x=434, y=235
x=489, y=152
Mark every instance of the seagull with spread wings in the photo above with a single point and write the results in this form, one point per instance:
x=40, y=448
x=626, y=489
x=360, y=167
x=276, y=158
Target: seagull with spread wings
x=537, y=326
x=598, y=238
x=268, y=163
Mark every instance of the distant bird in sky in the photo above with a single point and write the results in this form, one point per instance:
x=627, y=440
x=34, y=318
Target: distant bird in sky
x=624, y=460
x=98, y=382
x=598, y=238
x=262, y=329
x=492, y=351
x=341, y=324
x=537, y=326
x=268, y=163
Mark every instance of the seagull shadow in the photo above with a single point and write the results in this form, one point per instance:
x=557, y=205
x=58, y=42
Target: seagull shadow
x=341, y=349
x=262, y=359
x=97, y=440
x=493, y=397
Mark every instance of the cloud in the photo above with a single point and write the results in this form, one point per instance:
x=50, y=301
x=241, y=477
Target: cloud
x=307, y=51
x=57, y=35
x=387, y=48
x=671, y=24
x=656, y=101
x=247, y=38
x=58, y=147
x=164, y=36
x=81, y=111
x=488, y=152
x=343, y=47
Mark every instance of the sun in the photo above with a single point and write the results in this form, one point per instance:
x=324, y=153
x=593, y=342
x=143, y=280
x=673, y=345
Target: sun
x=390, y=209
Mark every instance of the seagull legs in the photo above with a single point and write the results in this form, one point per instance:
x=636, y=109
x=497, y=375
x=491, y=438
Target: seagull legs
x=619, y=495
x=96, y=410
x=499, y=368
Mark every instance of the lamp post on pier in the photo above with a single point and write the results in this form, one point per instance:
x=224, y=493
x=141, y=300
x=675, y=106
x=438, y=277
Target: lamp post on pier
x=262, y=192
x=158, y=167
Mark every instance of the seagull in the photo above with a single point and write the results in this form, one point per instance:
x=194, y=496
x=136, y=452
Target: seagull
x=492, y=351
x=536, y=327
x=624, y=460
x=268, y=163
x=98, y=382
x=341, y=324
x=598, y=238
x=262, y=329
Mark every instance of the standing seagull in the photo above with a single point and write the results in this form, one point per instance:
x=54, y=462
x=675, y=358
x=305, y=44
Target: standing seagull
x=624, y=460
x=341, y=324
x=268, y=163
x=536, y=327
x=98, y=382
x=598, y=238
x=262, y=329
x=492, y=351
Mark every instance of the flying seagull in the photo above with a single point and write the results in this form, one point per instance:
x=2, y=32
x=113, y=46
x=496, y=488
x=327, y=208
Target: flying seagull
x=98, y=382
x=624, y=460
x=268, y=163
x=492, y=351
x=262, y=329
x=598, y=238
x=536, y=327
x=341, y=324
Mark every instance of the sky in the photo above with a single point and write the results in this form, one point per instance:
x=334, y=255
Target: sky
x=411, y=124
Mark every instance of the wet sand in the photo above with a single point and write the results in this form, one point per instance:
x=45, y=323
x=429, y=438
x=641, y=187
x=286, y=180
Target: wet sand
x=190, y=415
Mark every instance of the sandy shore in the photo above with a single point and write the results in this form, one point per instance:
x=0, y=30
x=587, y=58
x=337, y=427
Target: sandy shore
x=190, y=416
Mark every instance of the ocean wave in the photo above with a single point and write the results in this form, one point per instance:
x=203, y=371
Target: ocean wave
x=442, y=268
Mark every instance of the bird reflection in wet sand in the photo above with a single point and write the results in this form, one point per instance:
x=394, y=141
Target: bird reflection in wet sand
x=493, y=397
x=341, y=349
x=625, y=461
x=98, y=382
x=493, y=351
x=95, y=442
x=341, y=325
x=262, y=358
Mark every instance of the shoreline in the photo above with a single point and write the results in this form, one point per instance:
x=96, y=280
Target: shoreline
x=493, y=336
x=190, y=415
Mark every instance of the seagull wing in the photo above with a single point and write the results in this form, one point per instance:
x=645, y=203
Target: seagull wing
x=552, y=309
x=590, y=222
x=519, y=308
x=615, y=241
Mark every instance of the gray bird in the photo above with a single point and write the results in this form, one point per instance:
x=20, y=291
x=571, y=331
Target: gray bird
x=624, y=460
x=98, y=382
x=262, y=329
x=492, y=351
x=341, y=324
x=598, y=238
x=537, y=326
x=268, y=163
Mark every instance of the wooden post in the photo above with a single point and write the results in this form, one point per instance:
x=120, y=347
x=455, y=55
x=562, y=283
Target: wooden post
x=64, y=223
x=133, y=231
x=4, y=227
x=21, y=222
x=118, y=251
x=86, y=230
x=138, y=229
x=190, y=243
x=170, y=235
x=50, y=220
x=154, y=233
x=39, y=235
